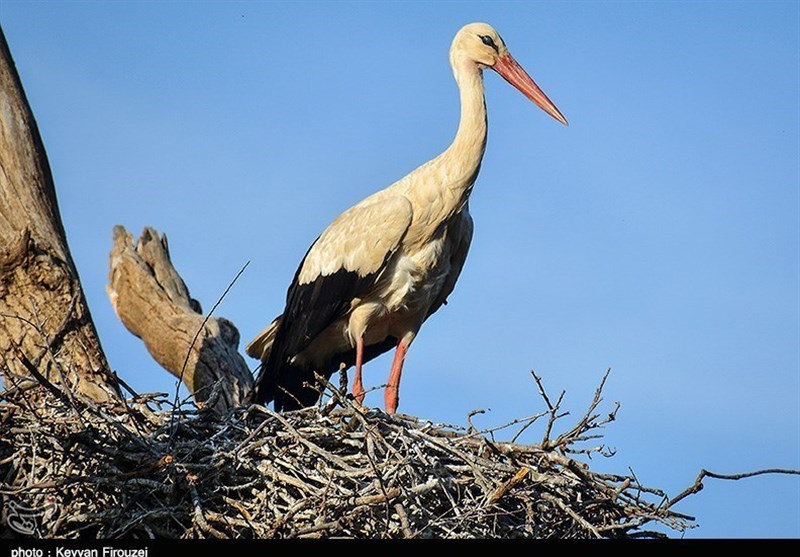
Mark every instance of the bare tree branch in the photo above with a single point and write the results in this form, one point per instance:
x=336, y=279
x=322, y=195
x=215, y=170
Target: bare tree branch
x=698, y=482
x=153, y=302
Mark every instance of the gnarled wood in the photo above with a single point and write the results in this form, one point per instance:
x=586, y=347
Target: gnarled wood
x=44, y=318
x=153, y=302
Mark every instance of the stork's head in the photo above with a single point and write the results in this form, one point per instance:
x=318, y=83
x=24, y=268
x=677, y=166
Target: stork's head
x=480, y=44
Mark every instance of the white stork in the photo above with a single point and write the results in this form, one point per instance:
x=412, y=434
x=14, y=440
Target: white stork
x=385, y=265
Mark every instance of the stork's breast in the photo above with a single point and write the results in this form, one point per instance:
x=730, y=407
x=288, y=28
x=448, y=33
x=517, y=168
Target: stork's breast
x=413, y=280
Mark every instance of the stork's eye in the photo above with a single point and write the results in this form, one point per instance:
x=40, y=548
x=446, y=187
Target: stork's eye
x=487, y=40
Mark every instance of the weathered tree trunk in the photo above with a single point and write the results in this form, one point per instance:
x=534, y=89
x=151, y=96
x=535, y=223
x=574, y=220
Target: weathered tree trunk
x=45, y=324
x=153, y=302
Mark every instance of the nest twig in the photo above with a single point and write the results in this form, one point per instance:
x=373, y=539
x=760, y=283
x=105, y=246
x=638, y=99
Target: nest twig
x=336, y=470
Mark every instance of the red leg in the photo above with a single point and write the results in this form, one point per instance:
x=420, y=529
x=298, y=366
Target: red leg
x=358, y=386
x=392, y=395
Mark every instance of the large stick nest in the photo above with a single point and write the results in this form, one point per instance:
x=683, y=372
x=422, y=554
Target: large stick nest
x=74, y=468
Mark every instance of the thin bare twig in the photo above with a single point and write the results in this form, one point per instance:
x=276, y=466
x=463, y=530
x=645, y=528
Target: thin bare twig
x=698, y=482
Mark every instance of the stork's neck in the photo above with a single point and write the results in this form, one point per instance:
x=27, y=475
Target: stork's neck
x=439, y=189
x=466, y=151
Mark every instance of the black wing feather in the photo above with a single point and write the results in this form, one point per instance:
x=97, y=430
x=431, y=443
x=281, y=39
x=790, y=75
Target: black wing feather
x=310, y=309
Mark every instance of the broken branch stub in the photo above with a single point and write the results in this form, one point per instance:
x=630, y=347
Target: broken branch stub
x=152, y=301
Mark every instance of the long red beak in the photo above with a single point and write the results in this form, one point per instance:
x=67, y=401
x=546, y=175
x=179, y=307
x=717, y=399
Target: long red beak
x=519, y=78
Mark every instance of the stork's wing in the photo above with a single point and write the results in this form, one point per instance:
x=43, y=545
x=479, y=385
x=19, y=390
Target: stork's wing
x=343, y=264
x=460, y=239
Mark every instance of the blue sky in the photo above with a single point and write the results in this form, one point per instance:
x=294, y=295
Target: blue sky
x=658, y=235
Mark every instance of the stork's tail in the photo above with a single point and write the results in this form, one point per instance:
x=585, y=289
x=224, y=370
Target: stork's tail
x=290, y=386
x=260, y=346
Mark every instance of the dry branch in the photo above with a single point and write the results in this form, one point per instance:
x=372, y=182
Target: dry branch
x=154, y=303
x=698, y=486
